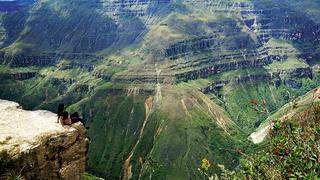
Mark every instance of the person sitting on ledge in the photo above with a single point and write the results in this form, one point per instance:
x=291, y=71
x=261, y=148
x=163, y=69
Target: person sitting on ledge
x=75, y=117
x=65, y=119
x=60, y=111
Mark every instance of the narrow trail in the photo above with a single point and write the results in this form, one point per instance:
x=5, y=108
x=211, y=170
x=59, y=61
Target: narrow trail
x=158, y=131
x=158, y=87
x=272, y=95
x=127, y=167
x=185, y=109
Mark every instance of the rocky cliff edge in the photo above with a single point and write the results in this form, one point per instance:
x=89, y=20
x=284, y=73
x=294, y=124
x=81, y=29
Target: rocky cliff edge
x=35, y=146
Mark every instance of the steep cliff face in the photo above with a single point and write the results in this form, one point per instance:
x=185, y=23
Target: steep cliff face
x=33, y=144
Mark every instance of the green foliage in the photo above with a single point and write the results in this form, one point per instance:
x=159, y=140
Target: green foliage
x=205, y=165
x=237, y=100
x=12, y=175
x=152, y=165
x=7, y=167
x=204, y=168
x=88, y=176
x=291, y=153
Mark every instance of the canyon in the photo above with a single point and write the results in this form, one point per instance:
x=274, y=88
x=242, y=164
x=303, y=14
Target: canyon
x=161, y=84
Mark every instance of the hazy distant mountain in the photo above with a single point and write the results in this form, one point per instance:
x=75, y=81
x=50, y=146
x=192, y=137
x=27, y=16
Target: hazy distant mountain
x=14, y=5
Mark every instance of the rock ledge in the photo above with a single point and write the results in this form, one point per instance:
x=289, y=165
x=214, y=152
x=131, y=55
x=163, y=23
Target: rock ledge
x=38, y=146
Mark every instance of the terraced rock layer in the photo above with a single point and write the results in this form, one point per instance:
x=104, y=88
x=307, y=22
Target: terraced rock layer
x=201, y=62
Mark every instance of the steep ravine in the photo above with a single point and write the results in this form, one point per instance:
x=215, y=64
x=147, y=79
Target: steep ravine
x=127, y=167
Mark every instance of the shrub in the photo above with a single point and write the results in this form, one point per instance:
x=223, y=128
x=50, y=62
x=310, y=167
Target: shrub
x=292, y=151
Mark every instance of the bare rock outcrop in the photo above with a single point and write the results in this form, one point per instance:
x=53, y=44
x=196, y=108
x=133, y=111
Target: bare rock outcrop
x=32, y=143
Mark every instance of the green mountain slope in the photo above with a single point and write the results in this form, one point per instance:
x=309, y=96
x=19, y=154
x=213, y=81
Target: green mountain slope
x=175, y=130
x=290, y=150
x=161, y=81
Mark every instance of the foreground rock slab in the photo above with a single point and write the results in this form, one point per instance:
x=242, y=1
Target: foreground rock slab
x=31, y=142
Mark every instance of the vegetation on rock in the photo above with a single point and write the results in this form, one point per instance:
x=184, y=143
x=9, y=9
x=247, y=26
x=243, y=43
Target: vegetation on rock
x=291, y=151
